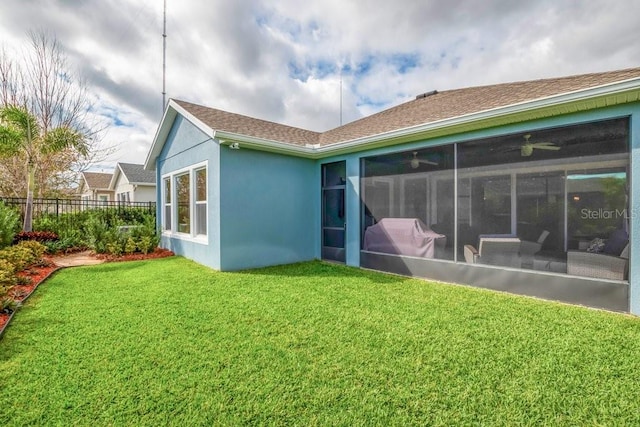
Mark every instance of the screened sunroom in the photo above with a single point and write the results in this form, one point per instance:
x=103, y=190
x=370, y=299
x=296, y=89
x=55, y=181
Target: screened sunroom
x=551, y=200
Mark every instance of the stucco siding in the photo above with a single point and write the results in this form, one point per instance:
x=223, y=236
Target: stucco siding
x=145, y=193
x=187, y=146
x=269, y=209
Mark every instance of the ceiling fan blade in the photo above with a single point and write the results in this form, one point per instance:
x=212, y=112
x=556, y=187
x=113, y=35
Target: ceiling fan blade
x=546, y=147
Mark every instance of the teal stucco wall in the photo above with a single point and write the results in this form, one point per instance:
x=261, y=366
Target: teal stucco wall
x=270, y=206
x=186, y=146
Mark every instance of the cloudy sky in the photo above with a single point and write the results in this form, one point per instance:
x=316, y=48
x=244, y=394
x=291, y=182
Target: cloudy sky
x=284, y=60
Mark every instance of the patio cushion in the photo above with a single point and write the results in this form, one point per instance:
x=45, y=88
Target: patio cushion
x=596, y=246
x=616, y=242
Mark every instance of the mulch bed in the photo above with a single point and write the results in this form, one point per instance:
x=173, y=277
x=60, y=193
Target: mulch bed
x=39, y=273
x=157, y=253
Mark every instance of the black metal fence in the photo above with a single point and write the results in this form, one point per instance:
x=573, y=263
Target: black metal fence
x=58, y=207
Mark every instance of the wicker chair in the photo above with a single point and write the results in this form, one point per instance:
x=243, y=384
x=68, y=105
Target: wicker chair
x=529, y=249
x=598, y=265
x=503, y=251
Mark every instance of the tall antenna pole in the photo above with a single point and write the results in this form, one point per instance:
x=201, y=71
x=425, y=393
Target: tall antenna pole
x=164, y=56
x=341, y=96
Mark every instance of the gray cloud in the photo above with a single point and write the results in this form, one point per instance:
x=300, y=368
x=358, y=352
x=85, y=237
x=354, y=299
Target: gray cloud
x=281, y=61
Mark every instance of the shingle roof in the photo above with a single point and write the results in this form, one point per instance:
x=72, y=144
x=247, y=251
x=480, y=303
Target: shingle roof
x=97, y=180
x=455, y=103
x=136, y=174
x=249, y=126
x=441, y=105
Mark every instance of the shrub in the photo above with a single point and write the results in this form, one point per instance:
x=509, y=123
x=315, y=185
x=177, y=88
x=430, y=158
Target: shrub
x=146, y=244
x=69, y=240
x=18, y=258
x=130, y=246
x=97, y=234
x=36, y=248
x=8, y=279
x=97, y=229
x=22, y=255
x=146, y=235
x=7, y=273
x=70, y=232
x=38, y=236
x=9, y=225
x=113, y=248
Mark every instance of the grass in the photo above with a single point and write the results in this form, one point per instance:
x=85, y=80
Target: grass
x=169, y=342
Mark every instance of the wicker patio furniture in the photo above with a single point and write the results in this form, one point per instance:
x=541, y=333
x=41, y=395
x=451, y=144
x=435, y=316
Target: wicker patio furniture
x=598, y=265
x=503, y=251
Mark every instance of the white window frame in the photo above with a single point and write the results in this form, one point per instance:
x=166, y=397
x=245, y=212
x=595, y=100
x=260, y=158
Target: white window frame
x=197, y=202
x=166, y=228
x=173, y=232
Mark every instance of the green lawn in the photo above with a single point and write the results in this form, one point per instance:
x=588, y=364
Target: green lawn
x=169, y=342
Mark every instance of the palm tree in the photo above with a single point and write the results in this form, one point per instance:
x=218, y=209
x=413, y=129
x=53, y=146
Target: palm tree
x=21, y=134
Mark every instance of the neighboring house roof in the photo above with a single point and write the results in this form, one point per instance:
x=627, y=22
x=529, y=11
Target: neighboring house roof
x=97, y=180
x=135, y=174
x=429, y=115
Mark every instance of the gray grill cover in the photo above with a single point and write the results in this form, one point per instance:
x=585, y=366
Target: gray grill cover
x=401, y=236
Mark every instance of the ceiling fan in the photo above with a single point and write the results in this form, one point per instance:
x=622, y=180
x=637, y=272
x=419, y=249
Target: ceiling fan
x=416, y=162
x=528, y=147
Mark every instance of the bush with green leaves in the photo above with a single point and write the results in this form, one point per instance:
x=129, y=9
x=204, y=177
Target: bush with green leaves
x=130, y=246
x=7, y=276
x=8, y=280
x=146, y=236
x=70, y=228
x=9, y=225
x=98, y=229
x=22, y=255
x=37, y=249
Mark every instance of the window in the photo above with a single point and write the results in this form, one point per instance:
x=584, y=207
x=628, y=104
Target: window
x=185, y=202
x=201, y=201
x=167, y=204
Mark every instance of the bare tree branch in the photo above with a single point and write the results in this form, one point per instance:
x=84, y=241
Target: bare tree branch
x=43, y=82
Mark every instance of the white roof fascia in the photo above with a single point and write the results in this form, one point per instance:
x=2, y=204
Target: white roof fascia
x=114, y=178
x=228, y=138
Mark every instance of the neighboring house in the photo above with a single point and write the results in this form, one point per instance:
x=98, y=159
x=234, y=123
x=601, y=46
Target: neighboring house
x=132, y=183
x=94, y=186
x=502, y=186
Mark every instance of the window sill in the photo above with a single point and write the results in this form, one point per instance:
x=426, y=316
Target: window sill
x=202, y=239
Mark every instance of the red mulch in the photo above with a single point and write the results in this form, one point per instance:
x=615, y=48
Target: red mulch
x=157, y=253
x=37, y=274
